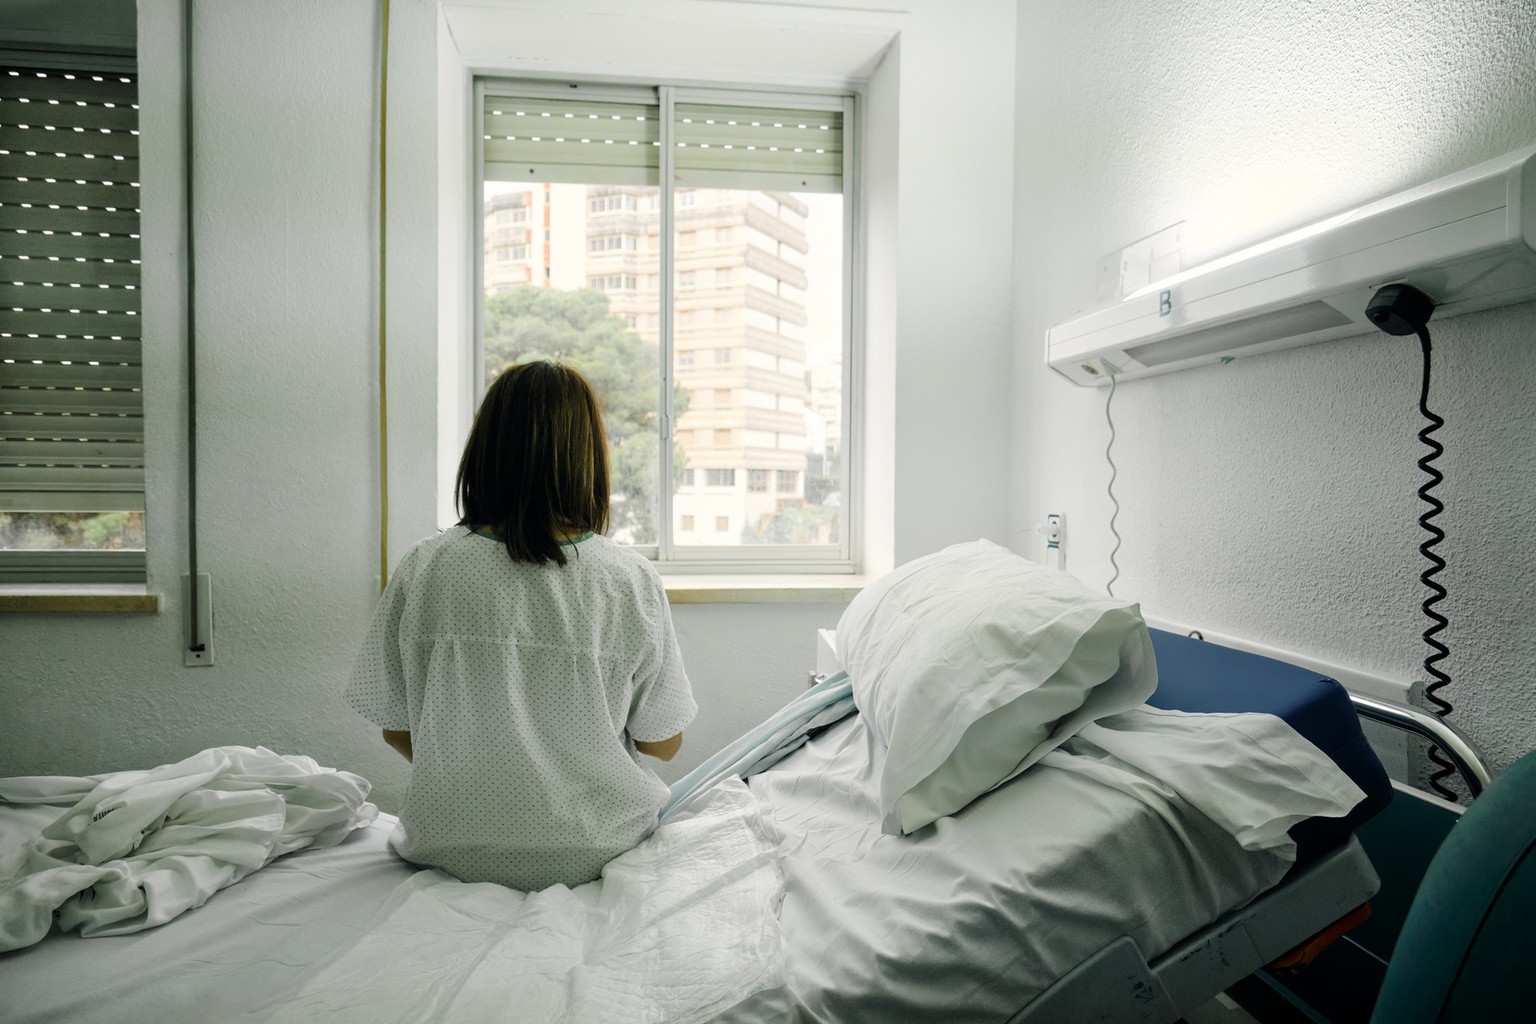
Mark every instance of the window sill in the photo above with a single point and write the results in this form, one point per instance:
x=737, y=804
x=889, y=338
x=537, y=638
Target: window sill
x=77, y=597
x=751, y=589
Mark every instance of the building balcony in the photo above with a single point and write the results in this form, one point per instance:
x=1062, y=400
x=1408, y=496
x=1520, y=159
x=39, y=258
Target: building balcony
x=511, y=234
x=621, y=222
x=777, y=229
x=774, y=306
x=763, y=340
x=761, y=260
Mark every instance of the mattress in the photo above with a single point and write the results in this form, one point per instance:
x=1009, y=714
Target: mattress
x=1196, y=676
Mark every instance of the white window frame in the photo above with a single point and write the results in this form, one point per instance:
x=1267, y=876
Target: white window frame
x=670, y=556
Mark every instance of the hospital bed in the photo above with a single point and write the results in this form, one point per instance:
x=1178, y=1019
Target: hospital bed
x=1049, y=899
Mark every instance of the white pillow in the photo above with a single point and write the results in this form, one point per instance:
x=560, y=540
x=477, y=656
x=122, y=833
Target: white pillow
x=971, y=664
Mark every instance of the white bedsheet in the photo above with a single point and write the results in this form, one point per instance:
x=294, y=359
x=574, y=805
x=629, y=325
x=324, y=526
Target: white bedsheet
x=139, y=848
x=678, y=929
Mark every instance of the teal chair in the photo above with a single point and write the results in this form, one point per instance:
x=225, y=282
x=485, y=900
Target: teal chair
x=1468, y=944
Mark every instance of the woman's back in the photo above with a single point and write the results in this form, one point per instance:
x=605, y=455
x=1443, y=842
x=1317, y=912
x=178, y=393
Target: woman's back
x=523, y=686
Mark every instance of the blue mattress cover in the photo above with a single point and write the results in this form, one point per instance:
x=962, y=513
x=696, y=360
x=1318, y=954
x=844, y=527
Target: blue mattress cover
x=1194, y=675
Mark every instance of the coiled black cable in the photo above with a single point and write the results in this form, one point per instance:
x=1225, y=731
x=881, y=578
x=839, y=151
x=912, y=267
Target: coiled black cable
x=1442, y=707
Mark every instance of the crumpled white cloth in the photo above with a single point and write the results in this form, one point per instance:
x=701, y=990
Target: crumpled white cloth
x=138, y=848
x=677, y=930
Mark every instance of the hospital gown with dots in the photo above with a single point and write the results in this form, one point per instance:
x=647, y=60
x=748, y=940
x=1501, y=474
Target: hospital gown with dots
x=524, y=687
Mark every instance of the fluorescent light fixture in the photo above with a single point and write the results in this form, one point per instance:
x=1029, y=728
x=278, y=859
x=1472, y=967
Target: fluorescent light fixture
x=1468, y=241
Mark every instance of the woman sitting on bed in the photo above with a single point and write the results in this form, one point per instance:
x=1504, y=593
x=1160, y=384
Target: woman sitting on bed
x=520, y=660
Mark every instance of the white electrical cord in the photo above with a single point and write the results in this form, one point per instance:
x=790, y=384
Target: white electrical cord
x=1113, y=473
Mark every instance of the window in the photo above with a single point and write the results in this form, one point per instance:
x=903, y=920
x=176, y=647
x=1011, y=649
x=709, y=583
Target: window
x=608, y=243
x=754, y=185
x=789, y=481
x=71, y=408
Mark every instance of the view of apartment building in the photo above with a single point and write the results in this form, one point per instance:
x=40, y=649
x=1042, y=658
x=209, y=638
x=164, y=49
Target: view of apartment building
x=759, y=414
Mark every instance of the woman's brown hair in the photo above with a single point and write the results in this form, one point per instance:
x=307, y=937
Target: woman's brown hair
x=536, y=463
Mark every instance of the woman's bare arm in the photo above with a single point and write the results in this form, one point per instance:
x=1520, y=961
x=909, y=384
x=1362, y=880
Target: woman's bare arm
x=664, y=750
x=401, y=741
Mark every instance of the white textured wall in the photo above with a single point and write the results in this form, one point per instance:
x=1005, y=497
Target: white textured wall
x=286, y=300
x=287, y=334
x=1273, y=498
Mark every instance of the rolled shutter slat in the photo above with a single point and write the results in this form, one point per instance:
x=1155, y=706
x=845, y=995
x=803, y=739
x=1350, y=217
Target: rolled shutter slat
x=78, y=428
x=68, y=168
x=31, y=401
x=93, y=116
x=66, y=193
x=66, y=86
x=92, y=298
x=768, y=148
x=86, y=323
x=66, y=272
x=71, y=375
x=101, y=350
x=100, y=453
x=584, y=141
x=75, y=140
x=35, y=246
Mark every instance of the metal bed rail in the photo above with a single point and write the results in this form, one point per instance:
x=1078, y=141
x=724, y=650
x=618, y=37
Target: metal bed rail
x=1462, y=752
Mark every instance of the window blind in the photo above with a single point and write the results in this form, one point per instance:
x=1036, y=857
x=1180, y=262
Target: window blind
x=71, y=402
x=577, y=140
x=768, y=148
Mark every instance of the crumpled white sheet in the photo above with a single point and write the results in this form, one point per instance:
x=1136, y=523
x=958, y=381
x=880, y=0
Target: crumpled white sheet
x=138, y=848
x=677, y=930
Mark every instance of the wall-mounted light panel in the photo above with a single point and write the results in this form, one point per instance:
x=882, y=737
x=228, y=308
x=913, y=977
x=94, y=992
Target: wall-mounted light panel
x=1468, y=241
